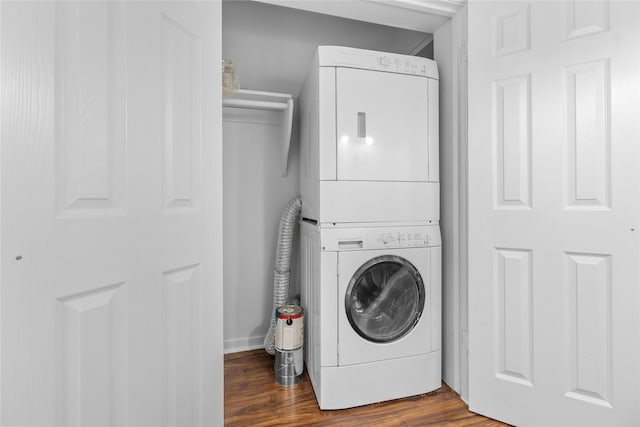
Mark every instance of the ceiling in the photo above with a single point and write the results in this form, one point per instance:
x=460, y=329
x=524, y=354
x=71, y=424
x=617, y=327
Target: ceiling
x=272, y=47
x=417, y=15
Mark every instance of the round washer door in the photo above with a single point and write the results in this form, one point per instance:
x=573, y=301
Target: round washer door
x=385, y=299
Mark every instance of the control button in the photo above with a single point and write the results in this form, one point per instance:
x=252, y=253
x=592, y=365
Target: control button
x=384, y=62
x=387, y=238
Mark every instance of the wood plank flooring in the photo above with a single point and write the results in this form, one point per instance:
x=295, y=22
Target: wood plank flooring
x=252, y=398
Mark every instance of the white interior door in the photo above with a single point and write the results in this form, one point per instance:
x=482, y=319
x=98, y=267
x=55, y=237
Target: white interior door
x=111, y=214
x=553, y=211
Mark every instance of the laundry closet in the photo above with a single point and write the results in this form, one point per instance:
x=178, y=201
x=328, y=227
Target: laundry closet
x=541, y=92
x=272, y=48
x=124, y=260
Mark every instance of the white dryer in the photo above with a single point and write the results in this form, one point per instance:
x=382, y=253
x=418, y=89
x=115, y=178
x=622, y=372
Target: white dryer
x=373, y=299
x=369, y=137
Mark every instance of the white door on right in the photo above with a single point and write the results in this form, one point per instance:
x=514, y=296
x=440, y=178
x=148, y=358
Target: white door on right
x=554, y=227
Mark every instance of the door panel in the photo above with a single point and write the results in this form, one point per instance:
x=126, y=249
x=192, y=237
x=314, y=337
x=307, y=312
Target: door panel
x=553, y=211
x=181, y=83
x=514, y=324
x=91, y=333
x=90, y=118
x=353, y=348
x=382, y=126
x=385, y=299
x=112, y=287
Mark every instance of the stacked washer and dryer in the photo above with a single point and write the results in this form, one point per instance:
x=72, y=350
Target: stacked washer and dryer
x=371, y=248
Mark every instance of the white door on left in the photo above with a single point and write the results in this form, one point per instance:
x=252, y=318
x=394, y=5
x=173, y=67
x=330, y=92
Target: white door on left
x=111, y=282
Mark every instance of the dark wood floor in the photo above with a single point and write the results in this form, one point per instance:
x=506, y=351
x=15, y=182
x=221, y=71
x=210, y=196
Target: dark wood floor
x=252, y=398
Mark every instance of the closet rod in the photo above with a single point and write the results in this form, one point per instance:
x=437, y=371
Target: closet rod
x=256, y=105
x=247, y=92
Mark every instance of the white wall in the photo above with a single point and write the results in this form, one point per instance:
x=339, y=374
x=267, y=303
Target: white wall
x=255, y=193
x=450, y=54
x=272, y=48
x=443, y=45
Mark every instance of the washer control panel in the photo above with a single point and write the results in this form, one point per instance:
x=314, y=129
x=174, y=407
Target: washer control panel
x=345, y=239
x=403, y=239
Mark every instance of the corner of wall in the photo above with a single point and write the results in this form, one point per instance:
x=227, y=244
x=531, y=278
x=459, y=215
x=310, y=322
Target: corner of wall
x=450, y=54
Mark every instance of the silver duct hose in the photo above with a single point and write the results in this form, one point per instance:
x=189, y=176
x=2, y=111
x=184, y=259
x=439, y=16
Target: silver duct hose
x=283, y=266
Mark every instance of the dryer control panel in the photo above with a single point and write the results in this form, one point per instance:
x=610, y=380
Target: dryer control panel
x=339, y=56
x=349, y=239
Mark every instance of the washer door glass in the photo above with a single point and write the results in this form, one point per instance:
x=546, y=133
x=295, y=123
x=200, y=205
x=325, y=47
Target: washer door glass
x=385, y=299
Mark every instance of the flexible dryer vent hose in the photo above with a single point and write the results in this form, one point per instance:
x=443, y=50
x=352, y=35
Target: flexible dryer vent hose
x=283, y=266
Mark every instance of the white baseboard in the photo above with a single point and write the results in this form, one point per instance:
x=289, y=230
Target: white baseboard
x=243, y=344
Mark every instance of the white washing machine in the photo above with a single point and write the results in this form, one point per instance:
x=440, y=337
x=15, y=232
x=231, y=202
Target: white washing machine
x=373, y=301
x=369, y=133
